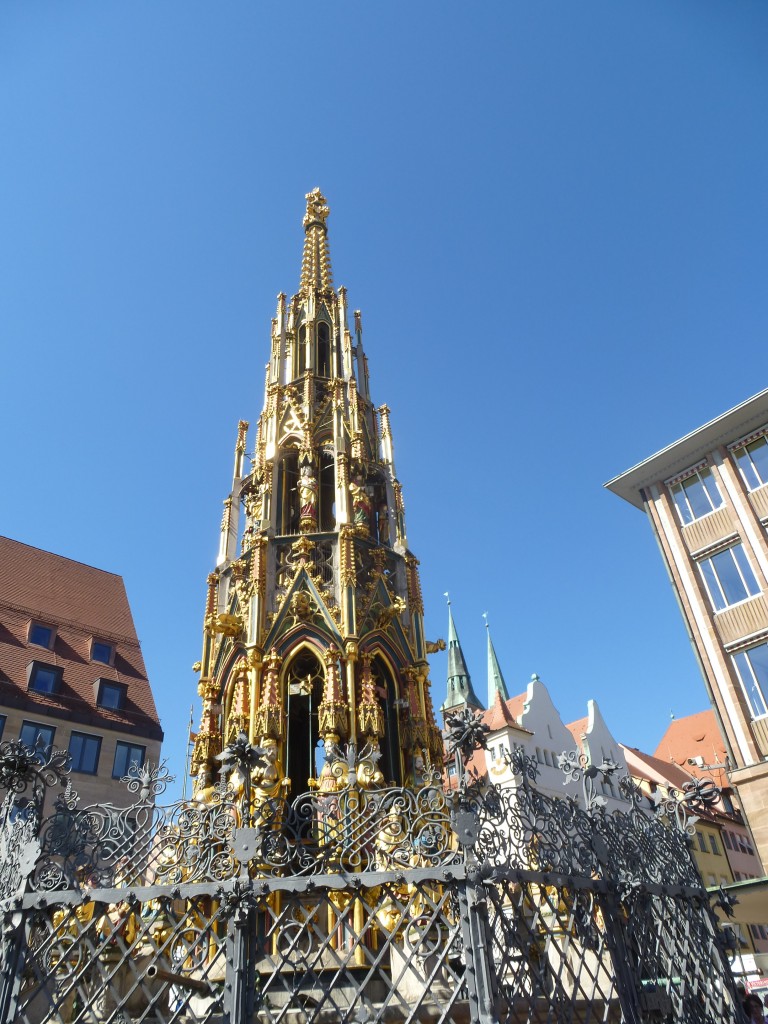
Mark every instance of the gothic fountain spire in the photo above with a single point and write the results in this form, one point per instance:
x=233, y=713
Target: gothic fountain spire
x=313, y=634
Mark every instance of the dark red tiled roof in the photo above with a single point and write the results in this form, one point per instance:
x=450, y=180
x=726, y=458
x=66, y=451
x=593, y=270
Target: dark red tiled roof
x=578, y=730
x=695, y=736
x=83, y=604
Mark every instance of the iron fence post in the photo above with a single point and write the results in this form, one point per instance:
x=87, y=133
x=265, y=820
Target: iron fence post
x=239, y=982
x=482, y=989
x=625, y=966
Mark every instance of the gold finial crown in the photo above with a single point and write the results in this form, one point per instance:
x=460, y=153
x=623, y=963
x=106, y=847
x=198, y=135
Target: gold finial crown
x=317, y=208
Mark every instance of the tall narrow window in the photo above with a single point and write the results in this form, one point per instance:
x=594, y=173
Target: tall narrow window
x=752, y=460
x=323, y=350
x=302, y=350
x=696, y=495
x=390, y=763
x=752, y=666
x=728, y=577
x=327, y=517
x=288, y=509
x=304, y=691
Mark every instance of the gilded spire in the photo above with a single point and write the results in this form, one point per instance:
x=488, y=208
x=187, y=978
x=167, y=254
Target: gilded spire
x=316, y=262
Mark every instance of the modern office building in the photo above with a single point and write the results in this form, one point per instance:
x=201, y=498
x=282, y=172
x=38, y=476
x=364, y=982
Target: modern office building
x=72, y=676
x=706, y=497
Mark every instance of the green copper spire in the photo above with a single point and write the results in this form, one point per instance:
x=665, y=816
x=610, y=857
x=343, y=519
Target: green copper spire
x=496, y=684
x=460, y=691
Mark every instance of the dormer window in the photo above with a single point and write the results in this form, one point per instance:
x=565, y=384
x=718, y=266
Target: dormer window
x=111, y=695
x=44, y=678
x=41, y=635
x=102, y=652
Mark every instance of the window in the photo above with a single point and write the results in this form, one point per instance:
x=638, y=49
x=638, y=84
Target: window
x=728, y=577
x=102, y=652
x=3, y=720
x=84, y=751
x=696, y=495
x=752, y=460
x=32, y=733
x=727, y=841
x=323, y=350
x=702, y=844
x=713, y=844
x=41, y=636
x=44, y=678
x=752, y=666
x=288, y=493
x=111, y=695
x=127, y=754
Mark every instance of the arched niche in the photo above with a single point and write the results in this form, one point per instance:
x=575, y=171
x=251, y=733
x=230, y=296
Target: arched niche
x=300, y=359
x=287, y=510
x=326, y=518
x=387, y=693
x=303, y=680
x=236, y=699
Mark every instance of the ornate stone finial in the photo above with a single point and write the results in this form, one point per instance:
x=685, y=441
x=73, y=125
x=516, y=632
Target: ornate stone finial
x=317, y=208
x=316, y=261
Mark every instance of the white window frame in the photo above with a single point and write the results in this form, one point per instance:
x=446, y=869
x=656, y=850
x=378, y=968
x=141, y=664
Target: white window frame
x=748, y=592
x=737, y=446
x=754, y=682
x=681, y=479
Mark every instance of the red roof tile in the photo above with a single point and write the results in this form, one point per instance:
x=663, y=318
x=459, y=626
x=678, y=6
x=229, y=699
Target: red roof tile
x=83, y=604
x=505, y=712
x=695, y=736
x=578, y=730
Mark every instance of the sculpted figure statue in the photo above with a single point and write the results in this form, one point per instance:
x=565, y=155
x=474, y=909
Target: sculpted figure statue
x=361, y=505
x=308, y=496
x=267, y=779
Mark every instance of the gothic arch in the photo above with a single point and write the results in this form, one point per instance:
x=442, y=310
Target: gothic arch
x=387, y=679
x=287, y=511
x=235, y=701
x=302, y=682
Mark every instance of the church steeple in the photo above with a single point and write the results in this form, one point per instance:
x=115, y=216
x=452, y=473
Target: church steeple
x=460, y=690
x=496, y=685
x=313, y=634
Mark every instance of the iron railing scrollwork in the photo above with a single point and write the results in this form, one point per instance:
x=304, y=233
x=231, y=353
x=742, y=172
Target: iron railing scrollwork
x=357, y=903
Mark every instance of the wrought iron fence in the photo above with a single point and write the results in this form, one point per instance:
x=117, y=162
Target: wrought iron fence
x=479, y=904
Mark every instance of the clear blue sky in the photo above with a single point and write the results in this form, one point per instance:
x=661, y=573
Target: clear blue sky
x=553, y=216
